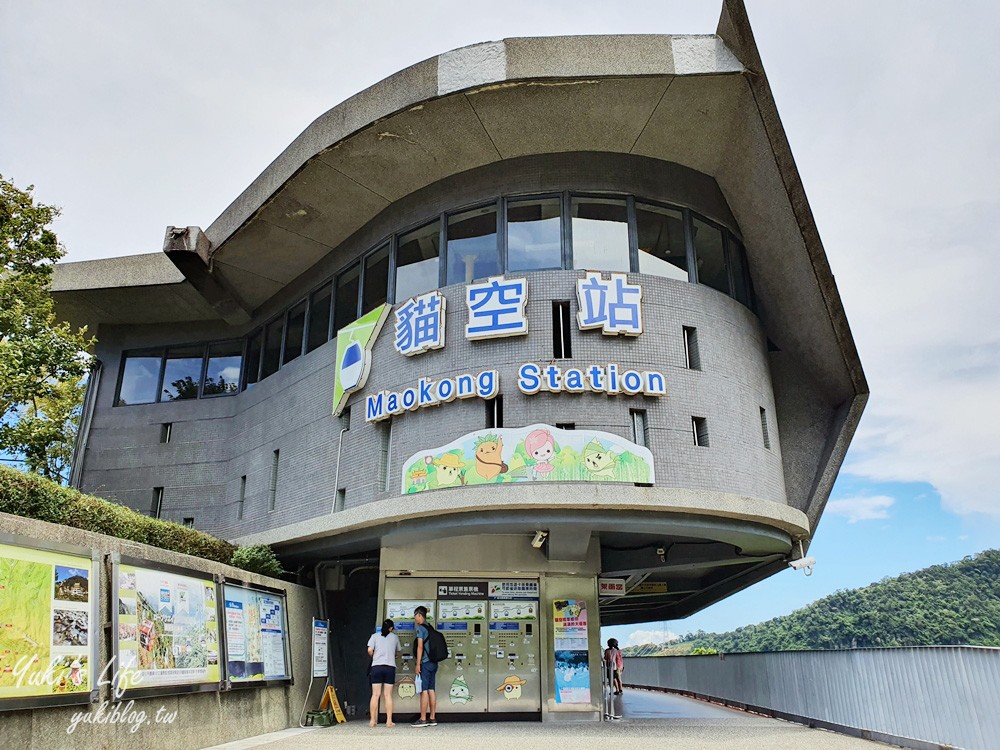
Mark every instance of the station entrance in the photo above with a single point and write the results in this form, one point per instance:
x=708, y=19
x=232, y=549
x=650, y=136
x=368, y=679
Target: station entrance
x=494, y=636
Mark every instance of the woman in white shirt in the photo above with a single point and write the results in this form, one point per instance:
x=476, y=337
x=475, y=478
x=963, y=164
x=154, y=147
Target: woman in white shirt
x=382, y=648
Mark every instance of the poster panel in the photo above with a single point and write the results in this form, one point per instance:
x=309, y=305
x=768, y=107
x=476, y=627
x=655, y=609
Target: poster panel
x=256, y=635
x=320, y=647
x=572, y=658
x=167, y=628
x=47, y=628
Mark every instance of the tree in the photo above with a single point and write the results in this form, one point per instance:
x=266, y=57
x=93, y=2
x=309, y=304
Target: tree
x=42, y=361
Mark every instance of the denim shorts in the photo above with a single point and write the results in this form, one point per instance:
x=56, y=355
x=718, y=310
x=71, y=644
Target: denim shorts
x=428, y=675
x=382, y=675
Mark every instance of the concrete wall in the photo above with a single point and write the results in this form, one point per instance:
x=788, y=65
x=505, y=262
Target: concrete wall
x=217, y=441
x=203, y=719
x=923, y=698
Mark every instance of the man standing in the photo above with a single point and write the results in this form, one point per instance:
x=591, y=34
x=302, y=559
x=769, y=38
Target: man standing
x=426, y=671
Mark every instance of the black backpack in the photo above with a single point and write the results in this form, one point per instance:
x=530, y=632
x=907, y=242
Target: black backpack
x=434, y=645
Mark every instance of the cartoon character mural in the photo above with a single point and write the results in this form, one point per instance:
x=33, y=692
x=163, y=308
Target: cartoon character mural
x=406, y=688
x=459, y=693
x=489, y=457
x=511, y=687
x=599, y=460
x=541, y=447
x=538, y=452
x=448, y=470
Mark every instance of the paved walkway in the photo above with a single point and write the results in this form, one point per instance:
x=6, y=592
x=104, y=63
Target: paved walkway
x=651, y=720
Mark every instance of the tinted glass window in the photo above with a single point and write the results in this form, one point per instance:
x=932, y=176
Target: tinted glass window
x=534, y=235
x=253, y=357
x=376, y=279
x=272, y=347
x=472, y=245
x=295, y=331
x=319, y=317
x=741, y=274
x=140, y=378
x=182, y=373
x=417, y=261
x=711, y=256
x=223, y=374
x=600, y=234
x=662, y=251
x=346, y=301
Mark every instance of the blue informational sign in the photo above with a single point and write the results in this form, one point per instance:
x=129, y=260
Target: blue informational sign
x=256, y=635
x=496, y=308
x=420, y=324
x=505, y=625
x=462, y=626
x=613, y=305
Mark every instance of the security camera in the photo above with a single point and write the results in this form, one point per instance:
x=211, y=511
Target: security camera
x=805, y=564
x=539, y=540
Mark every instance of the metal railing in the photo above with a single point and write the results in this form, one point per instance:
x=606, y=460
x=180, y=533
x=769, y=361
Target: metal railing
x=931, y=697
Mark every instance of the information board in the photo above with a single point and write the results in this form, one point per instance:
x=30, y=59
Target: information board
x=572, y=659
x=256, y=634
x=46, y=627
x=320, y=648
x=168, y=628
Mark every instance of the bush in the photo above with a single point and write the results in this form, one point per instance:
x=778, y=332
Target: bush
x=32, y=496
x=258, y=558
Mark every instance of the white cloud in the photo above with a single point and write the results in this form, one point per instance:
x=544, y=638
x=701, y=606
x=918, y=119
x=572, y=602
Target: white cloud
x=857, y=509
x=641, y=637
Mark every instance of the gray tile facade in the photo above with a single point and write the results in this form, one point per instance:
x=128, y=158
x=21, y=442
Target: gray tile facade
x=215, y=442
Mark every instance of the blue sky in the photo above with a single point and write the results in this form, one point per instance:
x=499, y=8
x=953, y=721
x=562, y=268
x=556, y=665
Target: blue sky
x=857, y=543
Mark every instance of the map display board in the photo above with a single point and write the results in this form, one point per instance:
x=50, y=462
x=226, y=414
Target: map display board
x=256, y=635
x=46, y=628
x=168, y=628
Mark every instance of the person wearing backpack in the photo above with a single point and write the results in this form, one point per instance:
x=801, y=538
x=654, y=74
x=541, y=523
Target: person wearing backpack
x=429, y=646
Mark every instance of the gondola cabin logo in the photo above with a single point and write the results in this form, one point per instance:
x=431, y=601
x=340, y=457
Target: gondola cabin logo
x=354, y=356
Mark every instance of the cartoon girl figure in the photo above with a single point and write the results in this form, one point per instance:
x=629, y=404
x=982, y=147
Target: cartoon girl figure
x=540, y=446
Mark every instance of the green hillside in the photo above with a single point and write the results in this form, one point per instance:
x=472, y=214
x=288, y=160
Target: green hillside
x=955, y=604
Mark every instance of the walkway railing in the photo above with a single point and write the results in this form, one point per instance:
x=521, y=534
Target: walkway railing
x=933, y=697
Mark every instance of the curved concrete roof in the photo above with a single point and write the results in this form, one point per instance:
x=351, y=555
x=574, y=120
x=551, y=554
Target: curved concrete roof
x=699, y=101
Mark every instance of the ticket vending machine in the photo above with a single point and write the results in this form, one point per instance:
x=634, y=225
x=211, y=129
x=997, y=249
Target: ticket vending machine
x=401, y=613
x=514, y=660
x=462, y=683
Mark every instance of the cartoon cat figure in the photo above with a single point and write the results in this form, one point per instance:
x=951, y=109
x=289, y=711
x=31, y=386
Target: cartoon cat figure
x=599, y=461
x=459, y=692
x=489, y=457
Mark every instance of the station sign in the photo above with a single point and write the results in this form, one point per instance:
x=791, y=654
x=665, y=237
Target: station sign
x=461, y=589
x=516, y=589
x=611, y=586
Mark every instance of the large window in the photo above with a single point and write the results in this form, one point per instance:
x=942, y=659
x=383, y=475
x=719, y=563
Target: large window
x=140, y=378
x=319, y=316
x=376, y=279
x=294, y=331
x=345, y=302
x=710, y=250
x=417, y=261
x=271, y=357
x=472, y=245
x=599, y=228
x=662, y=249
x=534, y=235
x=182, y=373
x=604, y=233
x=222, y=376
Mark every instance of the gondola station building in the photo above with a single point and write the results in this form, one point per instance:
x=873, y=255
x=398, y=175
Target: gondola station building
x=538, y=333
